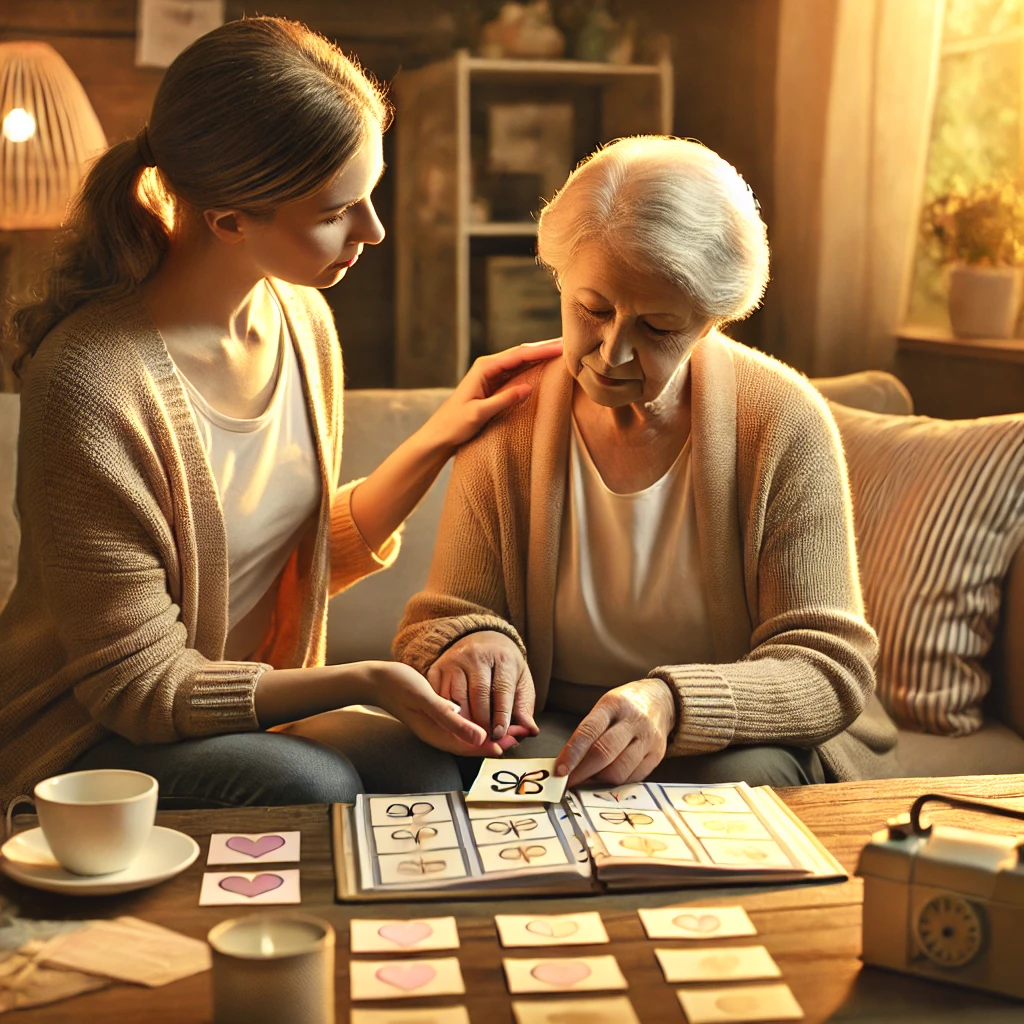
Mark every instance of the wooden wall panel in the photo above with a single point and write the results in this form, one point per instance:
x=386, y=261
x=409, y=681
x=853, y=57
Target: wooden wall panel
x=724, y=58
x=724, y=66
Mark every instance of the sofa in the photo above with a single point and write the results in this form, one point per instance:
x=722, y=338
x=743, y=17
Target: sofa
x=363, y=620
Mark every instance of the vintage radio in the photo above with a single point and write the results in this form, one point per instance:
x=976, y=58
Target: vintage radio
x=946, y=903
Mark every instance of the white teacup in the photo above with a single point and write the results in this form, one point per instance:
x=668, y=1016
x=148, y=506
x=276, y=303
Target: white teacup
x=97, y=822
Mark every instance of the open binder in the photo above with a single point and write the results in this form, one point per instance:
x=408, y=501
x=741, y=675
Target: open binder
x=638, y=836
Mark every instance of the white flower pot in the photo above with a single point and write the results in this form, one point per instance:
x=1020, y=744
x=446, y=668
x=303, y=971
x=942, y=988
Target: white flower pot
x=984, y=301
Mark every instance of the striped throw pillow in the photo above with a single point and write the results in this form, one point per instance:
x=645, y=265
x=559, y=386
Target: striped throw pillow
x=939, y=514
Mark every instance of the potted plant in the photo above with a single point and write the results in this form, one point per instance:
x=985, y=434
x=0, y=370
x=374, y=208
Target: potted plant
x=979, y=232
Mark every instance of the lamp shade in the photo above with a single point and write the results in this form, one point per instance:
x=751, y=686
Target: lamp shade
x=48, y=134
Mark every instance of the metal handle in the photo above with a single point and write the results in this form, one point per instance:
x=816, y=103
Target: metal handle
x=960, y=804
x=8, y=829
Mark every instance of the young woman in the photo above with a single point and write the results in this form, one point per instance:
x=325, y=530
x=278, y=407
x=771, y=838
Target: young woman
x=674, y=582
x=180, y=451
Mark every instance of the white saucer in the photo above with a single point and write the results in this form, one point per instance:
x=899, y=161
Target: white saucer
x=26, y=858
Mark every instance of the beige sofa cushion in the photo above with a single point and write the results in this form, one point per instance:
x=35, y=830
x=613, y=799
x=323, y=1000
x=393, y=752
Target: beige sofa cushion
x=361, y=622
x=939, y=514
x=993, y=750
x=871, y=390
x=1011, y=662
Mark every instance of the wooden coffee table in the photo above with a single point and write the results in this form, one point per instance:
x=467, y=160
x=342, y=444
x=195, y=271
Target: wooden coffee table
x=812, y=931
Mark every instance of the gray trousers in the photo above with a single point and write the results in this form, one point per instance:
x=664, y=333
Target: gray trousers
x=324, y=759
x=330, y=758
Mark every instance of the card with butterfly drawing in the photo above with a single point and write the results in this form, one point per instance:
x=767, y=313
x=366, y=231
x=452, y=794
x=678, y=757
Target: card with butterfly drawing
x=641, y=835
x=517, y=781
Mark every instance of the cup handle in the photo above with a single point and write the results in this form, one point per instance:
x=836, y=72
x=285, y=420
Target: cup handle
x=8, y=829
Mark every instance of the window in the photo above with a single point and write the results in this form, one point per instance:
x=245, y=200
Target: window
x=977, y=124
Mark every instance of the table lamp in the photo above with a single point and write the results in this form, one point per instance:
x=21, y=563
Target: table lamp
x=48, y=134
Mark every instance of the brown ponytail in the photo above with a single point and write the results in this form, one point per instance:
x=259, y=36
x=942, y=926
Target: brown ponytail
x=257, y=113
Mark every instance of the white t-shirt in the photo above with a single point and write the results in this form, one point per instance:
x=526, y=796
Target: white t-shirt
x=629, y=594
x=267, y=476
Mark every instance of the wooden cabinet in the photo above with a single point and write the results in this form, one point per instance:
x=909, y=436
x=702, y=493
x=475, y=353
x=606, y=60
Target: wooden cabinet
x=444, y=224
x=960, y=378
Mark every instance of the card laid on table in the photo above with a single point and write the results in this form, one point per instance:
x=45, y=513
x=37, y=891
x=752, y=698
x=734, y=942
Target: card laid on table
x=739, y=1003
x=407, y=1015
x=584, y=929
x=696, y=922
x=521, y=780
x=237, y=888
x=732, y=963
x=565, y=974
x=128, y=949
x=603, y=1010
x=403, y=936
x=253, y=847
x=405, y=979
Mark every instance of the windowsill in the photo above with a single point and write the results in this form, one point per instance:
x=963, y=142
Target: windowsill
x=938, y=342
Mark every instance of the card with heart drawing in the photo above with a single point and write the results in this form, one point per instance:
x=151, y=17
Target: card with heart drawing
x=739, y=1003
x=733, y=963
x=696, y=922
x=585, y=929
x=568, y=974
x=237, y=888
x=254, y=847
x=408, y=1015
x=602, y=1010
x=403, y=936
x=404, y=979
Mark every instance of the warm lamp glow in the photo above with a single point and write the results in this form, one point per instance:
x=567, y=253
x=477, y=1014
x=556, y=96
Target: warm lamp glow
x=50, y=133
x=19, y=125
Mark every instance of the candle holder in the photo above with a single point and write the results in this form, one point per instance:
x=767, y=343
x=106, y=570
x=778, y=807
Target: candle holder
x=272, y=968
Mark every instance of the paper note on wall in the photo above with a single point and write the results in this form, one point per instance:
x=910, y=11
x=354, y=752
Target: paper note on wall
x=166, y=27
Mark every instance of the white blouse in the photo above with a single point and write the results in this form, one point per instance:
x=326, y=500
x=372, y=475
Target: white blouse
x=629, y=594
x=267, y=476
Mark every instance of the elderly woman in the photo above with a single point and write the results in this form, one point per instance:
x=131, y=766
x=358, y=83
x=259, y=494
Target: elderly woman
x=655, y=550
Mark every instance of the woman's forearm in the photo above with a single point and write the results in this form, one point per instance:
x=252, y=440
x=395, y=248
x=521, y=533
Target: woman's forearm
x=383, y=501
x=285, y=695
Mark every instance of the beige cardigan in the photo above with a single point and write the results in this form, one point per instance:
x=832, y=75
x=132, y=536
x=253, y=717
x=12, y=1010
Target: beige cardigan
x=119, y=617
x=794, y=652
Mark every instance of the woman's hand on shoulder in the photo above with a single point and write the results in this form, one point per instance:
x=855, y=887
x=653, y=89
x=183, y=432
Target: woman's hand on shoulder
x=624, y=737
x=479, y=396
x=486, y=674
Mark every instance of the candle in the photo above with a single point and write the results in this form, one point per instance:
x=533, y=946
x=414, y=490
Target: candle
x=273, y=968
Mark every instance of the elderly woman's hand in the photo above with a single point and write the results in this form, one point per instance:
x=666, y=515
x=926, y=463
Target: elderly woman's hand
x=623, y=738
x=486, y=674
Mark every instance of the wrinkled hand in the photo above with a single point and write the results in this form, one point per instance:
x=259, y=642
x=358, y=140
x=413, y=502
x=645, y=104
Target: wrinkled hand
x=476, y=401
x=486, y=675
x=623, y=738
x=401, y=691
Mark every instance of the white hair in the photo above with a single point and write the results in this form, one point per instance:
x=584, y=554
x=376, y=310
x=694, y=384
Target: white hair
x=667, y=206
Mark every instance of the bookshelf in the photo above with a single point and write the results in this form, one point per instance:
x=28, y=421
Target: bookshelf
x=451, y=210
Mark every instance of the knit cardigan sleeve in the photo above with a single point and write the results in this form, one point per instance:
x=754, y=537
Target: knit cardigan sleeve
x=98, y=516
x=467, y=587
x=809, y=673
x=352, y=559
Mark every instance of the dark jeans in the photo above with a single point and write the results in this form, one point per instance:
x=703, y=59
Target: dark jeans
x=757, y=766
x=321, y=760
